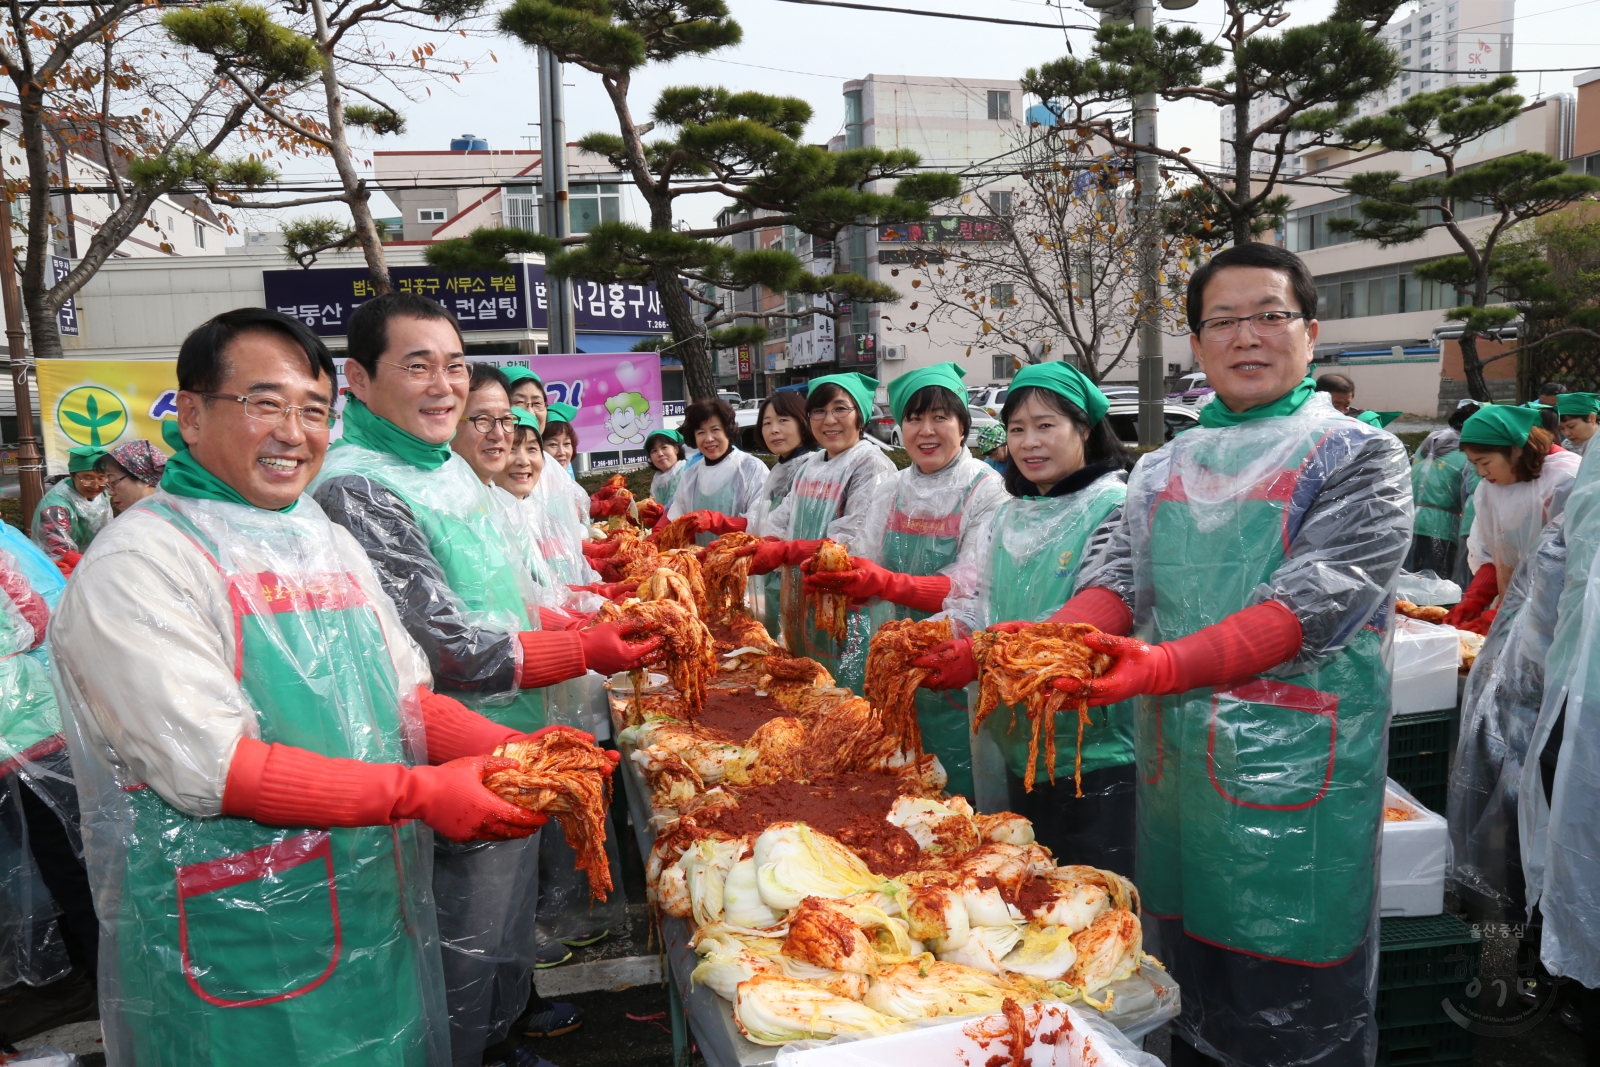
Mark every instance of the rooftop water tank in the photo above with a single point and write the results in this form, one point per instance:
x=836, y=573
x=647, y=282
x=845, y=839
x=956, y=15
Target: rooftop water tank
x=468, y=142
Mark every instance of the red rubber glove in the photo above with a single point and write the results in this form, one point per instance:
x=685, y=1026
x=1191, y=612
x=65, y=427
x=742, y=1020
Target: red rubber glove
x=281, y=785
x=1481, y=624
x=950, y=664
x=455, y=730
x=1479, y=594
x=661, y=522
x=548, y=657
x=618, y=591
x=714, y=522
x=599, y=549
x=28, y=602
x=1240, y=646
x=551, y=619
x=1015, y=626
x=68, y=563
x=1100, y=608
x=608, y=648
x=771, y=554
x=867, y=579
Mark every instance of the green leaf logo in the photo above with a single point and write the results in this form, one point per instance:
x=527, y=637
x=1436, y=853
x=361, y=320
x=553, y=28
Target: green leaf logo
x=92, y=415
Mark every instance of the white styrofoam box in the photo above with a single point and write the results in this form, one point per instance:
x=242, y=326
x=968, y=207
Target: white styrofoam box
x=1427, y=659
x=1416, y=853
x=1058, y=1036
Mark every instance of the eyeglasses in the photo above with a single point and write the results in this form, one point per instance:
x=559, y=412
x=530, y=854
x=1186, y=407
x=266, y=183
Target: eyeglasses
x=485, y=423
x=112, y=483
x=1265, y=324
x=264, y=407
x=838, y=411
x=420, y=370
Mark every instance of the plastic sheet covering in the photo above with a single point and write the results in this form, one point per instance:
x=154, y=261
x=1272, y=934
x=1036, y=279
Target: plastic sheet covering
x=731, y=486
x=1057, y=1035
x=566, y=910
x=831, y=498
x=65, y=522
x=1499, y=708
x=764, y=594
x=1436, y=484
x=189, y=624
x=1426, y=589
x=452, y=566
x=45, y=1056
x=1560, y=835
x=1258, y=808
x=31, y=945
x=564, y=487
x=1470, y=480
x=664, y=483
x=1510, y=518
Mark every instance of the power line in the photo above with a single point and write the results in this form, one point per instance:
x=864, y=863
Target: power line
x=939, y=14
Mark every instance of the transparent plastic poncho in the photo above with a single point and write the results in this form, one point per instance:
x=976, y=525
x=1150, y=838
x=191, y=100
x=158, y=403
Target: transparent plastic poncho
x=764, y=592
x=731, y=486
x=1508, y=519
x=1559, y=833
x=65, y=521
x=831, y=498
x=190, y=624
x=1259, y=808
x=564, y=488
x=31, y=757
x=664, y=483
x=1436, y=484
x=1499, y=709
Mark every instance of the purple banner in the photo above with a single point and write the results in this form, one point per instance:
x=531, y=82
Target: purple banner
x=622, y=307
x=618, y=395
x=324, y=299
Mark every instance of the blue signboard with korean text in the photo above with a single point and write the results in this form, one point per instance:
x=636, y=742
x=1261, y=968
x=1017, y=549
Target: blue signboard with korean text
x=323, y=299
x=67, y=315
x=510, y=299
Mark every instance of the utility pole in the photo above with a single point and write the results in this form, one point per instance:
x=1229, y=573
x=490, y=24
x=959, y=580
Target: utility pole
x=1152, y=364
x=30, y=464
x=557, y=221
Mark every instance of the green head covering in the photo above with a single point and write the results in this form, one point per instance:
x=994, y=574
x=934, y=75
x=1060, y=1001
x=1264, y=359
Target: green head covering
x=991, y=438
x=672, y=435
x=1499, y=426
x=861, y=389
x=1068, y=381
x=84, y=458
x=1568, y=405
x=902, y=388
x=517, y=374
x=526, y=418
x=560, y=412
x=1380, y=419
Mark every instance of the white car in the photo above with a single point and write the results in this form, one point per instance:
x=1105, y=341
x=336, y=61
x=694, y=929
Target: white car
x=1124, y=416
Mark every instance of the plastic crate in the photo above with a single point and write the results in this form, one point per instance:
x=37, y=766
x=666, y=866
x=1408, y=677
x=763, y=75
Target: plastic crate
x=1422, y=963
x=1441, y=1044
x=1413, y=735
x=1425, y=775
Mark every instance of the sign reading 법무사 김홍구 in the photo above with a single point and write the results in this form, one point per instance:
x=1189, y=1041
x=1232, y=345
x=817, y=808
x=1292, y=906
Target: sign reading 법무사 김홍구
x=511, y=299
x=104, y=402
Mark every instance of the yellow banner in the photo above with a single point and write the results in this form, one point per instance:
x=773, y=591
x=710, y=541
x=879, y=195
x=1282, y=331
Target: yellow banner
x=103, y=402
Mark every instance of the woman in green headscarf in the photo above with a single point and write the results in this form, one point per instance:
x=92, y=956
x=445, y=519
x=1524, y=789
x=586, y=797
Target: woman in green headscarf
x=923, y=540
x=665, y=451
x=1580, y=418
x=74, y=510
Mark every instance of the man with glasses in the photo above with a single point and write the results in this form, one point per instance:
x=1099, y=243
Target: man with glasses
x=256, y=745
x=74, y=510
x=451, y=567
x=1257, y=557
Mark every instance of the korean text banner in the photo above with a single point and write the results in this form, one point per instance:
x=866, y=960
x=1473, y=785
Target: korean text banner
x=103, y=402
x=324, y=299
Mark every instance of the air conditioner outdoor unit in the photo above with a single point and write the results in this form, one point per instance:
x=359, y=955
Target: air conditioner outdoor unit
x=894, y=352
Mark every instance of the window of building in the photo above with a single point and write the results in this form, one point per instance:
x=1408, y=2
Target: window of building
x=199, y=234
x=170, y=224
x=860, y=310
x=1000, y=204
x=1406, y=28
x=1405, y=46
x=1405, y=92
x=1387, y=290
x=520, y=207
x=999, y=104
x=1405, y=76
x=430, y=214
x=1426, y=37
x=591, y=205
x=853, y=119
x=1002, y=296
x=1425, y=20
x=1002, y=368
x=1426, y=52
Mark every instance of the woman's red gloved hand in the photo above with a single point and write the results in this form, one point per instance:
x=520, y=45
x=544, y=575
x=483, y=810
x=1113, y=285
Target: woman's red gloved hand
x=769, y=555
x=950, y=665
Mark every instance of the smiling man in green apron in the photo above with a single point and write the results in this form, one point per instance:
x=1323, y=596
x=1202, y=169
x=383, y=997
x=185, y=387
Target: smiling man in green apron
x=1258, y=554
x=449, y=563
x=252, y=731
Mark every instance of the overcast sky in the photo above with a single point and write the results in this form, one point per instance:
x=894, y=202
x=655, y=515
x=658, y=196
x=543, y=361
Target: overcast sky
x=810, y=51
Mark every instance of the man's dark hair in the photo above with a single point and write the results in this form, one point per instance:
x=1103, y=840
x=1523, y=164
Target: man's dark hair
x=937, y=400
x=368, y=334
x=1254, y=254
x=703, y=411
x=1552, y=389
x=203, y=360
x=488, y=374
x=1335, y=383
x=1458, y=417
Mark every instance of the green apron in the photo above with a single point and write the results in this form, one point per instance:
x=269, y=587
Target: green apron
x=1259, y=807
x=244, y=943
x=816, y=505
x=1034, y=559
x=1436, y=490
x=923, y=546
x=85, y=517
x=724, y=500
x=474, y=546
